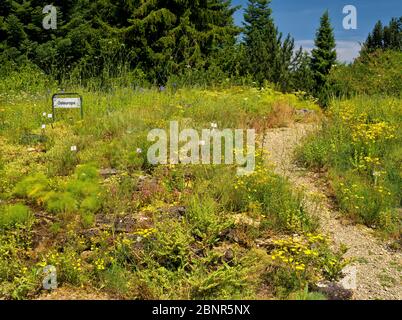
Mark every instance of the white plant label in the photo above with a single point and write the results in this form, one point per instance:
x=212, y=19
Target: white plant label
x=67, y=103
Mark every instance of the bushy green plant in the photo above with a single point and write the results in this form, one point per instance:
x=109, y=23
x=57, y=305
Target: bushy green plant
x=224, y=283
x=81, y=194
x=301, y=260
x=376, y=73
x=170, y=246
x=34, y=187
x=15, y=215
x=207, y=221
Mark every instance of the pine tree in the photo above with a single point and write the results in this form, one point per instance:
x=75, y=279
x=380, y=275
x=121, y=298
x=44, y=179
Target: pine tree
x=169, y=37
x=378, y=36
x=267, y=56
x=158, y=36
x=302, y=75
x=384, y=38
x=285, y=63
x=392, y=35
x=324, y=53
x=261, y=40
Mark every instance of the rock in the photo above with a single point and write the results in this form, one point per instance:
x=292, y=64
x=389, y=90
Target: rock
x=304, y=112
x=348, y=282
x=267, y=244
x=87, y=255
x=175, y=211
x=242, y=219
x=229, y=255
x=126, y=224
x=89, y=233
x=334, y=291
x=108, y=172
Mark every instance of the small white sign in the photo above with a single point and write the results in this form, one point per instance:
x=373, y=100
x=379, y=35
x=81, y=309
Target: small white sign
x=67, y=103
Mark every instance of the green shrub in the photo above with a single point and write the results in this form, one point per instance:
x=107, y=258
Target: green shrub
x=206, y=220
x=61, y=202
x=15, y=215
x=376, y=73
x=33, y=187
x=170, y=246
x=281, y=206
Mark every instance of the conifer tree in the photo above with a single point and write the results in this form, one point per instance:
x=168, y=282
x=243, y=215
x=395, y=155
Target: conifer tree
x=302, y=76
x=378, y=36
x=267, y=56
x=158, y=36
x=384, y=38
x=324, y=53
x=261, y=40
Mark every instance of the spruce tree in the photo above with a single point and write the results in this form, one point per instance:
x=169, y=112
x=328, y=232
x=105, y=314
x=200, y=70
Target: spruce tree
x=261, y=40
x=301, y=73
x=384, y=38
x=169, y=37
x=378, y=36
x=267, y=56
x=285, y=63
x=324, y=53
x=393, y=35
x=157, y=36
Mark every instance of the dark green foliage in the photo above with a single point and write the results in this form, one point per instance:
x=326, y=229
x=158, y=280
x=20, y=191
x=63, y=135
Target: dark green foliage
x=324, y=54
x=384, y=37
x=105, y=38
x=261, y=40
x=302, y=74
x=267, y=57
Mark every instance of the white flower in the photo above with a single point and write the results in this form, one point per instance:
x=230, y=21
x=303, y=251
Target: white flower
x=73, y=148
x=43, y=126
x=50, y=116
x=44, y=114
x=214, y=125
x=139, y=150
x=376, y=173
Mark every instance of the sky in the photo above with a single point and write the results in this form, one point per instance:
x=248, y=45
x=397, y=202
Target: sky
x=301, y=19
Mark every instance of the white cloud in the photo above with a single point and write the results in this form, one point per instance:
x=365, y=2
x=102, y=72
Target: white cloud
x=347, y=50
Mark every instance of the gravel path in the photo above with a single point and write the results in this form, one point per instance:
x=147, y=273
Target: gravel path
x=378, y=268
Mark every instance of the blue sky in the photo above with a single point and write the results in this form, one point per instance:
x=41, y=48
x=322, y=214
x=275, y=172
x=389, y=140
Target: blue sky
x=301, y=18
